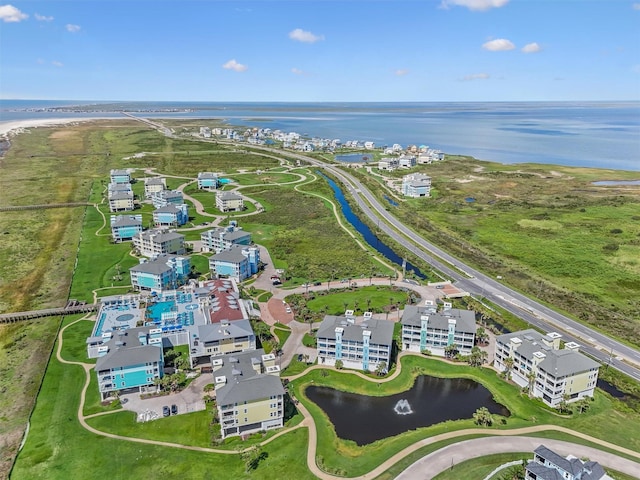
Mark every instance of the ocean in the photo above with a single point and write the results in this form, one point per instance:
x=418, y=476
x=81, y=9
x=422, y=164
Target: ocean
x=581, y=134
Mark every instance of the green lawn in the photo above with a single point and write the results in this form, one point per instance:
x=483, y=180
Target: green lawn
x=371, y=298
x=282, y=335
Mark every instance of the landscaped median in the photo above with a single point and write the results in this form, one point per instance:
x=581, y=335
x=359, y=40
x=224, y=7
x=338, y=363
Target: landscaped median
x=338, y=456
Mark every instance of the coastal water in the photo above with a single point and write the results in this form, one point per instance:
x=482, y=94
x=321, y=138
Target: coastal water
x=585, y=134
x=366, y=232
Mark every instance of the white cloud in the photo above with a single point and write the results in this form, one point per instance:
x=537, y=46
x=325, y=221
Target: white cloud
x=531, y=48
x=297, y=71
x=57, y=64
x=72, y=28
x=9, y=14
x=42, y=18
x=636, y=6
x=300, y=35
x=498, y=45
x=401, y=72
x=474, y=4
x=235, y=66
x=475, y=76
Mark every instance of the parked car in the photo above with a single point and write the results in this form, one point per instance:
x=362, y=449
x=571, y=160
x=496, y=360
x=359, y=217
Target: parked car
x=165, y=411
x=288, y=309
x=174, y=409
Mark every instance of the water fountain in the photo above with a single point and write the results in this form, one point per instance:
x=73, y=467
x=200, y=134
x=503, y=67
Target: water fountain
x=403, y=407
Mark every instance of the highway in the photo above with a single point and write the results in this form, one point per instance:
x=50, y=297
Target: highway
x=599, y=346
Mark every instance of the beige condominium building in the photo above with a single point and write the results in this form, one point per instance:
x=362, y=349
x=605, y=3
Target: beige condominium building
x=549, y=371
x=249, y=393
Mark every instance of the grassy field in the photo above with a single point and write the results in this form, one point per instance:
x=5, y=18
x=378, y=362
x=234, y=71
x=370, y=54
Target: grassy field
x=545, y=229
x=372, y=298
x=605, y=419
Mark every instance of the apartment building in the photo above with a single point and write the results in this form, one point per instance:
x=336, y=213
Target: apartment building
x=157, y=242
x=547, y=370
x=119, y=176
x=229, y=202
x=207, y=181
x=416, y=185
x=171, y=215
x=154, y=185
x=360, y=346
x=238, y=262
x=162, y=273
x=220, y=239
x=249, y=393
x=124, y=227
x=224, y=337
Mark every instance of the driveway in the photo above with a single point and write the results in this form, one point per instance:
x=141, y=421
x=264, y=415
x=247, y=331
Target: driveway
x=188, y=400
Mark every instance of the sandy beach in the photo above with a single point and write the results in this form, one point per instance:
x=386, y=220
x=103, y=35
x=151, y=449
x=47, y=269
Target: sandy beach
x=16, y=126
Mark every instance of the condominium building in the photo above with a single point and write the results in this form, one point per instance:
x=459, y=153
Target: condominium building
x=120, y=176
x=416, y=185
x=424, y=328
x=157, y=242
x=229, y=202
x=238, y=262
x=130, y=360
x=167, y=197
x=154, y=185
x=121, y=202
x=548, y=371
x=224, y=337
x=163, y=273
x=207, y=181
x=249, y=393
x=361, y=346
x=388, y=164
x=124, y=227
x=171, y=215
x=220, y=239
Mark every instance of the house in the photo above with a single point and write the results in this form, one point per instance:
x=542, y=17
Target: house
x=407, y=161
x=551, y=373
x=249, y=393
x=207, y=181
x=171, y=215
x=229, y=202
x=154, y=185
x=156, y=242
x=423, y=328
x=361, y=346
x=121, y=202
x=225, y=337
x=416, y=185
x=167, y=197
x=238, y=262
x=120, y=176
x=219, y=239
x=369, y=145
x=205, y=132
x=388, y=164
x=548, y=465
x=162, y=273
x=131, y=360
x=124, y=227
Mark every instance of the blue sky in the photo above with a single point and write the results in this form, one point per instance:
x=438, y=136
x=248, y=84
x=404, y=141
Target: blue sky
x=305, y=50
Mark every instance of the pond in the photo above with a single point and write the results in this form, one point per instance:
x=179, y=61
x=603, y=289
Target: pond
x=365, y=419
x=609, y=183
x=354, y=158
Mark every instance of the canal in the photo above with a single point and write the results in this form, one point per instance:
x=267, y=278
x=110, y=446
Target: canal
x=366, y=232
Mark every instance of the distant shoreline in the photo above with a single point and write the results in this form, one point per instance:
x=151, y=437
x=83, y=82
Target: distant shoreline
x=7, y=128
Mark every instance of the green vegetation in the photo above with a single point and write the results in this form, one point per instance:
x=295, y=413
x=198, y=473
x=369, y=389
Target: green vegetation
x=481, y=467
x=282, y=335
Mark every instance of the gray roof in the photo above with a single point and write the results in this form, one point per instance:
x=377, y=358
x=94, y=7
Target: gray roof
x=381, y=330
x=130, y=352
x=154, y=181
x=121, y=196
x=574, y=466
x=155, y=267
x=126, y=221
x=119, y=172
x=203, y=175
x=219, y=331
x=243, y=382
x=233, y=255
x=558, y=363
x=229, y=196
x=169, y=193
x=235, y=235
x=171, y=208
x=465, y=319
x=160, y=236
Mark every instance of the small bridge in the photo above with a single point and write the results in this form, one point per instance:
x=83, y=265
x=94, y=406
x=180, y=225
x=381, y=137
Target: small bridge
x=71, y=308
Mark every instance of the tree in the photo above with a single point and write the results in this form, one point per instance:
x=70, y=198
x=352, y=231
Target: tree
x=181, y=362
x=477, y=357
x=531, y=377
x=583, y=404
x=339, y=364
x=381, y=369
x=508, y=365
x=450, y=351
x=482, y=337
x=252, y=457
x=563, y=406
x=483, y=417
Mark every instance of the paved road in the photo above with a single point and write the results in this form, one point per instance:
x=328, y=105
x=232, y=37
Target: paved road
x=431, y=465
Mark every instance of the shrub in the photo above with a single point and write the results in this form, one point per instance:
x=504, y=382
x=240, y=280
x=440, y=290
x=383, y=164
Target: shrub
x=611, y=247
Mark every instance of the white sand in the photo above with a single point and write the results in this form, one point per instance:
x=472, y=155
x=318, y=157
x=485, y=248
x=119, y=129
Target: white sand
x=7, y=127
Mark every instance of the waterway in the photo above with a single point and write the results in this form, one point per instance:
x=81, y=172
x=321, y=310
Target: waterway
x=366, y=232
x=365, y=419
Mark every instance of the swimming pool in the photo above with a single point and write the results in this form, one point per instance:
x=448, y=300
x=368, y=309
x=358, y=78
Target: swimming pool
x=157, y=309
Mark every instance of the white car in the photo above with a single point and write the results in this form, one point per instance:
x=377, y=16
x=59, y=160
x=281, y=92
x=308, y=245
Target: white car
x=288, y=310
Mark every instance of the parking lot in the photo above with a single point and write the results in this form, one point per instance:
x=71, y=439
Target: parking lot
x=187, y=401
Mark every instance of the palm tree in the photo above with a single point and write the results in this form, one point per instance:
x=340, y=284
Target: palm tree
x=339, y=364
x=531, y=377
x=508, y=365
x=381, y=369
x=483, y=417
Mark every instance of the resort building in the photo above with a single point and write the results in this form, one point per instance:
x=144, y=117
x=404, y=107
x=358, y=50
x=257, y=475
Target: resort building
x=249, y=393
x=114, y=188
x=220, y=239
x=167, y=197
x=213, y=340
x=407, y=161
x=120, y=176
x=154, y=185
x=130, y=360
x=361, y=346
x=548, y=465
x=121, y=202
x=548, y=371
x=388, y=164
x=238, y=262
x=171, y=215
x=207, y=181
x=157, y=242
x=124, y=227
x=423, y=328
x=163, y=273
x=416, y=185
x=229, y=202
